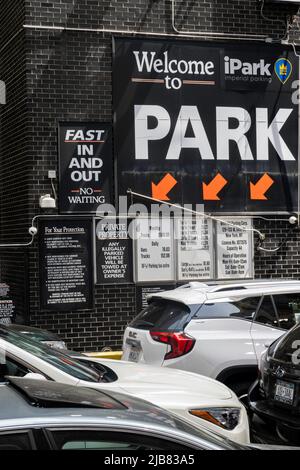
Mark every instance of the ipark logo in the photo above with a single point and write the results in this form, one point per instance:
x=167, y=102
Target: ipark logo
x=2, y=92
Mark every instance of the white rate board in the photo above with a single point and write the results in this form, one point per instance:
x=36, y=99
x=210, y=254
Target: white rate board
x=154, y=250
x=195, y=248
x=235, y=249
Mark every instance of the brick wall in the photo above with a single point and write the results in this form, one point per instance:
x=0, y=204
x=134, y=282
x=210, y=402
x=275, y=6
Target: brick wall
x=286, y=261
x=14, y=153
x=68, y=77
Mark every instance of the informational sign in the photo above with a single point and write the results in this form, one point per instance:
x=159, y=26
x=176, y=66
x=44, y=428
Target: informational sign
x=154, y=250
x=85, y=166
x=7, y=307
x=66, y=264
x=144, y=292
x=195, y=257
x=207, y=123
x=113, y=252
x=235, y=249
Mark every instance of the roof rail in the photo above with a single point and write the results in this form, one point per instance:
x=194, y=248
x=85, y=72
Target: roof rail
x=251, y=284
x=194, y=285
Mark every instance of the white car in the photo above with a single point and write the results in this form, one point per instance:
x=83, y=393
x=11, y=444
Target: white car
x=204, y=402
x=218, y=331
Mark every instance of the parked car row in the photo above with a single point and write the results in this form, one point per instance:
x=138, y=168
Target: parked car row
x=223, y=332
x=177, y=353
x=199, y=400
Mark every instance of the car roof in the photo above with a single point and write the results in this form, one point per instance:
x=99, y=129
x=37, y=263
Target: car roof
x=197, y=293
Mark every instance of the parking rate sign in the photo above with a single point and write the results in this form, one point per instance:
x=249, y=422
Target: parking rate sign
x=213, y=124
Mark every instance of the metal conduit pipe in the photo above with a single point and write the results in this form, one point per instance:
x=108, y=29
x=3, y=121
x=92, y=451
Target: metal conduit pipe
x=205, y=34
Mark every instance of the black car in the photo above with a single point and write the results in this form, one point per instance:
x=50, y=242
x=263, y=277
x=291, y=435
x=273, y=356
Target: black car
x=275, y=396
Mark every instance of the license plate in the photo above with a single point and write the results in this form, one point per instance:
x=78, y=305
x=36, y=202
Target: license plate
x=134, y=355
x=284, y=392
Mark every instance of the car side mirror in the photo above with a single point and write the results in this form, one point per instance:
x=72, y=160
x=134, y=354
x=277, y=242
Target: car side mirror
x=33, y=376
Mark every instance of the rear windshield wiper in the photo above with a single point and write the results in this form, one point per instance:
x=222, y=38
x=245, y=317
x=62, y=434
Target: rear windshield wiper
x=143, y=323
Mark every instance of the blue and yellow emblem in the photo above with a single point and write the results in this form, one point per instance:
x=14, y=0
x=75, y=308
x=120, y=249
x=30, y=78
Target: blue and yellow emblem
x=283, y=69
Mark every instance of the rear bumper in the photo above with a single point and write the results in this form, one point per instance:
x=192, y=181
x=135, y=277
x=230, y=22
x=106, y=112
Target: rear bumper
x=264, y=410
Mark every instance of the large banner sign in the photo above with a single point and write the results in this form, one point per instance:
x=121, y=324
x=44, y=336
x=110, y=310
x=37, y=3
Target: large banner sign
x=213, y=124
x=85, y=166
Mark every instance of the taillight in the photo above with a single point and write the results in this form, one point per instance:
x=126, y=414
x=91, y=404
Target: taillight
x=180, y=343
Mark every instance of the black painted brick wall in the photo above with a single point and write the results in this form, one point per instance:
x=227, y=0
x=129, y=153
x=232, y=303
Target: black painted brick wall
x=14, y=153
x=68, y=77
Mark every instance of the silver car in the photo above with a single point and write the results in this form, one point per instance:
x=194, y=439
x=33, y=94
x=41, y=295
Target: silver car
x=47, y=415
x=42, y=415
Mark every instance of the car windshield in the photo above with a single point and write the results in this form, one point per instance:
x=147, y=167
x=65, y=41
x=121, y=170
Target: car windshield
x=63, y=362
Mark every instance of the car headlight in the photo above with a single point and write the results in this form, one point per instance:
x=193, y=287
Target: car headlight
x=226, y=418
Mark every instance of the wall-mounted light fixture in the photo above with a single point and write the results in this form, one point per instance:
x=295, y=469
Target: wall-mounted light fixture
x=47, y=202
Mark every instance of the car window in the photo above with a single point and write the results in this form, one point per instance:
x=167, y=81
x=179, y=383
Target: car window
x=244, y=308
x=15, y=441
x=266, y=314
x=111, y=441
x=15, y=369
x=11, y=367
x=162, y=315
x=288, y=309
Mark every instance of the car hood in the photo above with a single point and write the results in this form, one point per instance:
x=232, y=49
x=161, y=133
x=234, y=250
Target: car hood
x=164, y=385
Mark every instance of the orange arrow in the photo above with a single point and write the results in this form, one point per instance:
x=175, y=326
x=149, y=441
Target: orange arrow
x=211, y=190
x=162, y=189
x=258, y=190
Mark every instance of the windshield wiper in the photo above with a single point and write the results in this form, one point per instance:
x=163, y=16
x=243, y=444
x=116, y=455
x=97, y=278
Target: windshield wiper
x=143, y=323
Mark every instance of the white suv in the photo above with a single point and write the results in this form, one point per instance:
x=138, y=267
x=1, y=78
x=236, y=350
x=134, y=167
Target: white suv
x=215, y=330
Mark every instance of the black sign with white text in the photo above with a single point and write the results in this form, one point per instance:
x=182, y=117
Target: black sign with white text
x=66, y=273
x=86, y=166
x=207, y=123
x=113, y=252
x=7, y=306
